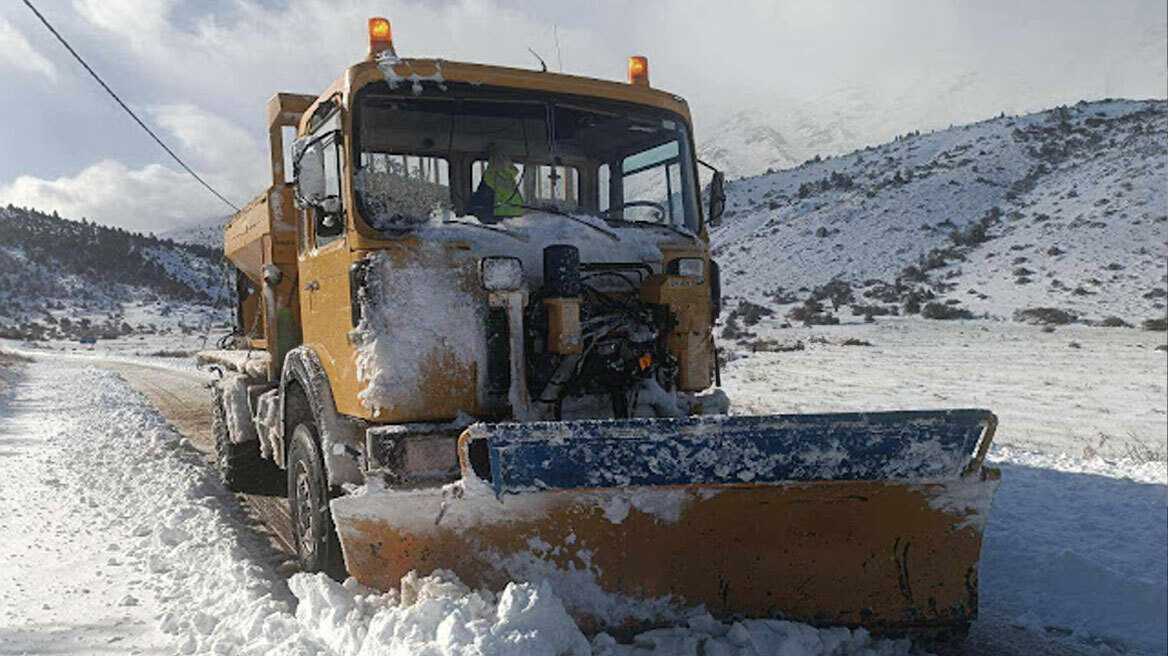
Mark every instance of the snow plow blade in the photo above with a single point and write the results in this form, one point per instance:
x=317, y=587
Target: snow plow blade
x=864, y=519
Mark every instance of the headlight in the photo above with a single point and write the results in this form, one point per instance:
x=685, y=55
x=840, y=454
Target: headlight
x=501, y=273
x=689, y=267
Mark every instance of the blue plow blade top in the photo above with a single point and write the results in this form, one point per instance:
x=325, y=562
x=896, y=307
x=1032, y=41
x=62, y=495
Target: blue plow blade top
x=727, y=450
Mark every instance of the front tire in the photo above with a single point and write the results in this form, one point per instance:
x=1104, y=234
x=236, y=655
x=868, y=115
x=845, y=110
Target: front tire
x=313, y=532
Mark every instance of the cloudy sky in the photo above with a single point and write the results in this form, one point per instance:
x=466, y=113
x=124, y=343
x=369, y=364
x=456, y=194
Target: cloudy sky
x=200, y=71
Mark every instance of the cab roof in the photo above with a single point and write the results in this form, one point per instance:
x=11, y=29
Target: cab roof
x=409, y=70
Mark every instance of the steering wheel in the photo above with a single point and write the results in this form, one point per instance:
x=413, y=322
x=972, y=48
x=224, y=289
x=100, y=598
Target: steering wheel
x=638, y=203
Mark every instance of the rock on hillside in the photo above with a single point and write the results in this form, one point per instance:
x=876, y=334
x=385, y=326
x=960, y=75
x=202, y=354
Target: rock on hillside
x=62, y=278
x=1064, y=208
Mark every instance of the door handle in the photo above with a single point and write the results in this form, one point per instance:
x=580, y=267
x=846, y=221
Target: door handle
x=312, y=285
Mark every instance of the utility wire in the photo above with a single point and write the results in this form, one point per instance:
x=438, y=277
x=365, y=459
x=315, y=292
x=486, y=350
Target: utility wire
x=128, y=110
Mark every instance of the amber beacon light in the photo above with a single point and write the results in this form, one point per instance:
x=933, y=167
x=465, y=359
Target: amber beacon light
x=639, y=70
x=380, y=35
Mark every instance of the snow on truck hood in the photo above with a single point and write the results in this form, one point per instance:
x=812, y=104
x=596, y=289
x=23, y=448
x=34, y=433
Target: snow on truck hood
x=525, y=237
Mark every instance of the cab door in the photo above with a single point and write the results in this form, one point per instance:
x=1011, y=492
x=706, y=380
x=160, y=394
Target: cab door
x=324, y=264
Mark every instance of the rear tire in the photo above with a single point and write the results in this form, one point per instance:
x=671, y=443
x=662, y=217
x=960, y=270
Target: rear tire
x=313, y=532
x=240, y=465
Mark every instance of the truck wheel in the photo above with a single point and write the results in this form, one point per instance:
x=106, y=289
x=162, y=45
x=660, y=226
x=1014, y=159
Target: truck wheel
x=308, y=499
x=241, y=467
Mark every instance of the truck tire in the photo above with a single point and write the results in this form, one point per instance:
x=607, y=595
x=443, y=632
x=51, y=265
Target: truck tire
x=241, y=467
x=315, y=537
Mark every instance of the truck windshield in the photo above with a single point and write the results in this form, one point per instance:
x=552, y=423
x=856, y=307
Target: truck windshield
x=498, y=154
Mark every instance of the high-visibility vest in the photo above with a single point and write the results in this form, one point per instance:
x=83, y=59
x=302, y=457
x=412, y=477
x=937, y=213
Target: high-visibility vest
x=501, y=178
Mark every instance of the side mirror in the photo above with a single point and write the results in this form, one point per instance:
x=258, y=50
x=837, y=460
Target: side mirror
x=308, y=171
x=717, y=198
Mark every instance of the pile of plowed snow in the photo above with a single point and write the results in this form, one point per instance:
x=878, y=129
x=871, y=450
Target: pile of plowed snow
x=439, y=615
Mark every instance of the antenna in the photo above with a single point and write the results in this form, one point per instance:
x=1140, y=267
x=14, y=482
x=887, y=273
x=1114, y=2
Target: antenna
x=559, y=57
x=542, y=63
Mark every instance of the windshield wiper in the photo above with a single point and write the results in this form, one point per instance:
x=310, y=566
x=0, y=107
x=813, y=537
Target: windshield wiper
x=503, y=231
x=667, y=226
x=552, y=209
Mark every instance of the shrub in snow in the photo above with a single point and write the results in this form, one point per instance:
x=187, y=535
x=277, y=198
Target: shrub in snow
x=807, y=312
x=1155, y=293
x=783, y=297
x=859, y=309
x=944, y=312
x=1114, y=322
x=1158, y=325
x=1044, y=316
x=837, y=292
x=752, y=313
x=732, y=330
x=775, y=346
x=883, y=292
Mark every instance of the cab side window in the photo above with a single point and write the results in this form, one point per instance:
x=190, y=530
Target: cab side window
x=330, y=217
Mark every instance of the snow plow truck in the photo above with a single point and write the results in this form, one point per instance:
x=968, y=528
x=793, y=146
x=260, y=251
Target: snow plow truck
x=474, y=331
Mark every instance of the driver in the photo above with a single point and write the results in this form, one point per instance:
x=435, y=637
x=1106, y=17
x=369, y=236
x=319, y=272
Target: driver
x=499, y=188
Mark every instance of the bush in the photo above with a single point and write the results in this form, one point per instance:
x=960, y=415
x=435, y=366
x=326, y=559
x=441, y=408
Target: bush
x=825, y=319
x=1114, y=322
x=1159, y=325
x=812, y=314
x=752, y=313
x=944, y=312
x=837, y=292
x=1044, y=316
x=852, y=341
x=775, y=346
x=874, y=310
x=732, y=330
x=783, y=297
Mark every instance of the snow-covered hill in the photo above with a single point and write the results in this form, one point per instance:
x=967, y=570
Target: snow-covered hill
x=62, y=278
x=1064, y=208
x=208, y=233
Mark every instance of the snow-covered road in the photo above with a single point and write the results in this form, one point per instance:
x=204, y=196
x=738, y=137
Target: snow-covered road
x=116, y=538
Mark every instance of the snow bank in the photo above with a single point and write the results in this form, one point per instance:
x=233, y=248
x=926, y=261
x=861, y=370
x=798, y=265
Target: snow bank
x=175, y=540
x=438, y=615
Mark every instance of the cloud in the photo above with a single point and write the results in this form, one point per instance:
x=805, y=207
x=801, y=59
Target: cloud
x=212, y=142
x=154, y=198
x=17, y=53
x=158, y=197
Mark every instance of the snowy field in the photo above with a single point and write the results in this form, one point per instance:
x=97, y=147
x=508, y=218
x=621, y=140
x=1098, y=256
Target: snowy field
x=1076, y=543
x=116, y=538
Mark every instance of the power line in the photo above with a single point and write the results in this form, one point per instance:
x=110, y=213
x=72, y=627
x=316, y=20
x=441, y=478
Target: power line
x=128, y=110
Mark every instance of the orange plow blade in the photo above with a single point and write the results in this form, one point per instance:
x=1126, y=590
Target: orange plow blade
x=892, y=554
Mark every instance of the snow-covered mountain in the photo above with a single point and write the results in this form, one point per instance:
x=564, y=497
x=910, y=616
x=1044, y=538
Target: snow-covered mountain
x=62, y=278
x=1064, y=208
x=746, y=144
x=782, y=132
